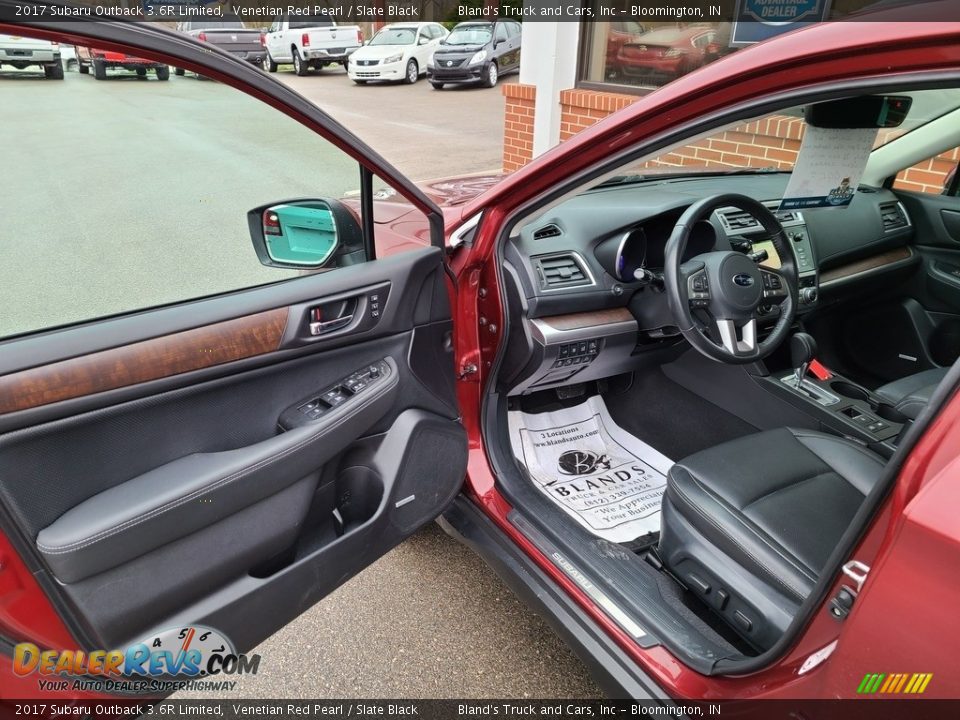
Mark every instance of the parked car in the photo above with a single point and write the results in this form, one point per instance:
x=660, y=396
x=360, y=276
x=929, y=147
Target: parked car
x=228, y=33
x=400, y=51
x=309, y=44
x=476, y=52
x=808, y=538
x=101, y=60
x=620, y=33
x=23, y=52
x=68, y=57
x=664, y=54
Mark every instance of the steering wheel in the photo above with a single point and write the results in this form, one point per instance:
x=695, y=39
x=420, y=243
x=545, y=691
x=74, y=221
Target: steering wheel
x=714, y=297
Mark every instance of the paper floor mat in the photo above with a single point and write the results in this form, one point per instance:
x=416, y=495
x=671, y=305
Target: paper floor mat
x=603, y=477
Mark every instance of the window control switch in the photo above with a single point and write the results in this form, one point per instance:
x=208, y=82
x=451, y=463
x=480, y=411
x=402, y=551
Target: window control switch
x=333, y=396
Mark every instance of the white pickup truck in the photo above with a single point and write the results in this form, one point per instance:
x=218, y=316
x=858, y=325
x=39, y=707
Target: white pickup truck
x=23, y=52
x=309, y=43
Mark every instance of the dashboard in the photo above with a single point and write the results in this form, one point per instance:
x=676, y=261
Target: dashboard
x=590, y=269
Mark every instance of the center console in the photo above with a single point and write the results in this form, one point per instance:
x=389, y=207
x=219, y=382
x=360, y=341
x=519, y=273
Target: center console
x=835, y=401
x=747, y=235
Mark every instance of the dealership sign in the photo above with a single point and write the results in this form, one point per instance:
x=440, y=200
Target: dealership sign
x=757, y=20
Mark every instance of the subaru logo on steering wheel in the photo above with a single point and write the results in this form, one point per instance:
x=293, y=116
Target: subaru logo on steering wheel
x=743, y=280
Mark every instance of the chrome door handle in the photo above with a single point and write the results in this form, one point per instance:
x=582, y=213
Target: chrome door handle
x=322, y=328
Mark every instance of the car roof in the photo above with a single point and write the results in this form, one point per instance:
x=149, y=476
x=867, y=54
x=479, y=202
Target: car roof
x=478, y=23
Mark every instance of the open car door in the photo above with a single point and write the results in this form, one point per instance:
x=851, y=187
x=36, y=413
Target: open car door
x=226, y=458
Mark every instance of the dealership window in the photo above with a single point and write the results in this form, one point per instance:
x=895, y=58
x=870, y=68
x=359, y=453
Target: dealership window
x=644, y=53
x=641, y=56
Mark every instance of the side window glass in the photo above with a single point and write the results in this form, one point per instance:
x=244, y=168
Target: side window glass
x=501, y=32
x=933, y=175
x=165, y=202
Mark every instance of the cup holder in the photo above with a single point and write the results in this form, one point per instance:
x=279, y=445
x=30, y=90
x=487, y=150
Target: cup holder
x=891, y=414
x=849, y=390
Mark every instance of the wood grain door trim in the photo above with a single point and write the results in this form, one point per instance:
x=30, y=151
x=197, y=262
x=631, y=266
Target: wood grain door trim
x=594, y=319
x=140, y=362
x=874, y=262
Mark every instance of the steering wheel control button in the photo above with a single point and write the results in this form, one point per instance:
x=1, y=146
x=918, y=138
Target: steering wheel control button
x=698, y=289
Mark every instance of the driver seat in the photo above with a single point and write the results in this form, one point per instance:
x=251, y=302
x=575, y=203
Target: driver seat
x=749, y=525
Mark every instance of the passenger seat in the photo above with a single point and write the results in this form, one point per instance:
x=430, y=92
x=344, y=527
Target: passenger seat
x=911, y=394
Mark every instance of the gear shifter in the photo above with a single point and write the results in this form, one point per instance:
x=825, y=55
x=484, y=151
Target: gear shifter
x=803, y=349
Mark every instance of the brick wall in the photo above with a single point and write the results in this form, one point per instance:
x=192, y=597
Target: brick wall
x=518, y=125
x=582, y=108
x=930, y=175
x=770, y=142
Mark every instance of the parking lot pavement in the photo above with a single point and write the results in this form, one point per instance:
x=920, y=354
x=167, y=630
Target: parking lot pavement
x=429, y=619
x=426, y=133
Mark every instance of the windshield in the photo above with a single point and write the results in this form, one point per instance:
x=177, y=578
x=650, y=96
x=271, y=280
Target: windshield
x=770, y=143
x=469, y=35
x=395, y=36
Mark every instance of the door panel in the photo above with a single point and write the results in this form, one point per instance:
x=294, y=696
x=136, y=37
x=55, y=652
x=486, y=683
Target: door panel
x=937, y=285
x=177, y=477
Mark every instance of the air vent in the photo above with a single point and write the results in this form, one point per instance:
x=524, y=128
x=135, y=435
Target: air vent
x=547, y=231
x=561, y=271
x=784, y=216
x=893, y=217
x=737, y=220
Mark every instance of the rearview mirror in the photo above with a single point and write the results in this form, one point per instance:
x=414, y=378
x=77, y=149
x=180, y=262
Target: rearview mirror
x=306, y=234
x=865, y=111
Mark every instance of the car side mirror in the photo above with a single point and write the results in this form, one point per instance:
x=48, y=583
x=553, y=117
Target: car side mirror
x=423, y=41
x=306, y=234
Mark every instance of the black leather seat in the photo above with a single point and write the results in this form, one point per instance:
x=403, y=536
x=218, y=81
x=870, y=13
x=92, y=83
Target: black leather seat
x=749, y=524
x=911, y=394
